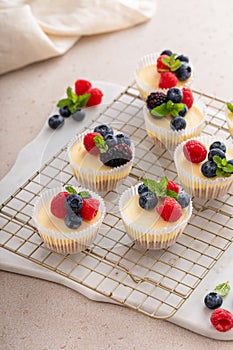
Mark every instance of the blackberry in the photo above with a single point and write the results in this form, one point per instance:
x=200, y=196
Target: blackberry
x=116, y=156
x=156, y=99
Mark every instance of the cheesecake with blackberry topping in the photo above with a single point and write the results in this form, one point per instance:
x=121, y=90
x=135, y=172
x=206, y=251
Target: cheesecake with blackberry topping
x=99, y=159
x=173, y=116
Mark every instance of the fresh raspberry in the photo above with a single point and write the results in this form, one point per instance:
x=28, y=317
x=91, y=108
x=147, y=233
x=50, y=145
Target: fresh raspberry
x=57, y=205
x=95, y=98
x=89, y=143
x=187, y=97
x=161, y=67
x=194, y=151
x=173, y=186
x=170, y=210
x=90, y=208
x=167, y=80
x=222, y=320
x=82, y=86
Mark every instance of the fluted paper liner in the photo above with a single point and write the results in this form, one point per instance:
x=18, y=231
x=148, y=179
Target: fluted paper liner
x=208, y=188
x=148, y=60
x=97, y=180
x=168, y=138
x=70, y=241
x=147, y=237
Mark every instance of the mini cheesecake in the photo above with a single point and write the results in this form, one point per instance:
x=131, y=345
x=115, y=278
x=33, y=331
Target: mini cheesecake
x=152, y=228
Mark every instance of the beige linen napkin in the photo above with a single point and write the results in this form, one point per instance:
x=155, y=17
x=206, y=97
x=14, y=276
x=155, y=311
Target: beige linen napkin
x=34, y=30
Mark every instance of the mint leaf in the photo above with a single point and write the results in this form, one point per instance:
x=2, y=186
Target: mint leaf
x=222, y=289
x=82, y=100
x=71, y=190
x=73, y=101
x=176, y=65
x=172, y=194
x=217, y=160
x=159, y=188
x=171, y=63
x=160, y=111
x=84, y=194
x=229, y=106
x=100, y=143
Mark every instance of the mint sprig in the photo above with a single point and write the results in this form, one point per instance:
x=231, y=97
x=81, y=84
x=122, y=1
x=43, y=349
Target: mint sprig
x=171, y=63
x=222, y=289
x=73, y=101
x=100, y=143
x=230, y=106
x=71, y=190
x=160, y=188
x=166, y=108
x=223, y=167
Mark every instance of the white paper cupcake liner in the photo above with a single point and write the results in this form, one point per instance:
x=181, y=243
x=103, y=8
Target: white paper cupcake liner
x=97, y=180
x=148, y=60
x=208, y=188
x=147, y=237
x=168, y=138
x=67, y=242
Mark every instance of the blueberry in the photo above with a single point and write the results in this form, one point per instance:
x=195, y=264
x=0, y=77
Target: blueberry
x=103, y=129
x=216, y=152
x=111, y=140
x=184, y=111
x=209, y=168
x=166, y=52
x=218, y=144
x=64, y=111
x=178, y=123
x=175, y=95
x=74, y=203
x=73, y=220
x=142, y=188
x=213, y=300
x=123, y=139
x=148, y=200
x=184, y=72
x=56, y=121
x=79, y=115
x=183, y=58
x=183, y=199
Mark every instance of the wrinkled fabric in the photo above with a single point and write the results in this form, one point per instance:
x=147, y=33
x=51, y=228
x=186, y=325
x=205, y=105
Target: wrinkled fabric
x=35, y=30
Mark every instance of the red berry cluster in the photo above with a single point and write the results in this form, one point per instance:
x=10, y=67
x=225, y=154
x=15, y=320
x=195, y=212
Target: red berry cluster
x=83, y=86
x=88, y=211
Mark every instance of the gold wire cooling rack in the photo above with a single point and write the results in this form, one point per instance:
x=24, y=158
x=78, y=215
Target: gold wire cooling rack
x=155, y=283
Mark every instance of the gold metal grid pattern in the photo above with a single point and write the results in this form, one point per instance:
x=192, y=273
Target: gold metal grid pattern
x=156, y=283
